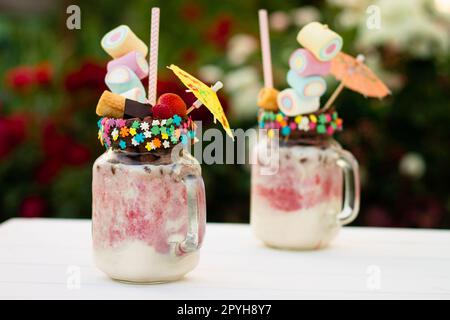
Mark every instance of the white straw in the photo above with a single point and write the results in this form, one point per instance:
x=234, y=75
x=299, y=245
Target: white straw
x=265, y=48
x=153, y=57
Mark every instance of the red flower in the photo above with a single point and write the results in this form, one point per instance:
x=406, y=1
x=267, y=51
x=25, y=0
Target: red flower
x=220, y=32
x=89, y=76
x=43, y=73
x=189, y=56
x=48, y=170
x=77, y=154
x=191, y=12
x=20, y=77
x=12, y=133
x=32, y=207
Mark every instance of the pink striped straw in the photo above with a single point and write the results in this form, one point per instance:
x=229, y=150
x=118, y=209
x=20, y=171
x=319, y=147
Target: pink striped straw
x=265, y=48
x=153, y=57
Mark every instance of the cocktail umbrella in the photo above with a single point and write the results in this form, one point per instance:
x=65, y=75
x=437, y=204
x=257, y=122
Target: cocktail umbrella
x=205, y=94
x=355, y=75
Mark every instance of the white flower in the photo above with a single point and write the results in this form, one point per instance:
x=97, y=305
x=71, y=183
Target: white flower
x=145, y=126
x=279, y=21
x=134, y=142
x=241, y=78
x=147, y=134
x=304, y=15
x=155, y=123
x=163, y=122
x=166, y=144
x=412, y=165
x=210, y=73
x=240, y=47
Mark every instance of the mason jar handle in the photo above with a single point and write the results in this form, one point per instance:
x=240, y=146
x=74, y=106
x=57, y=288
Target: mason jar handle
x=347, y=162
x=196, y=216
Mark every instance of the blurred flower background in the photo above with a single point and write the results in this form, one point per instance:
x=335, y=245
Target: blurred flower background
x=53, y=76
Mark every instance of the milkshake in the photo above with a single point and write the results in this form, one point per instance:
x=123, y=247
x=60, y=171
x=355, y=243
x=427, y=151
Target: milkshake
x=304, y=185
x=140, y=215
x=299, y=206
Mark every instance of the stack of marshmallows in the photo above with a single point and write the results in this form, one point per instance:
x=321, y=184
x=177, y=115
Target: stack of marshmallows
x=308, y=65
x=129, y=64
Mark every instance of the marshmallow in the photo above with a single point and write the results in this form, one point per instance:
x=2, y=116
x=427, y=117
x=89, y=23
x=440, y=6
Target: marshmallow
x=305, y=64
x=133, y=60
x=122, y=79
x=267, y=99
x=122, y=40
x=291, y=104
x=306, y=87
x=324, y=43
x=136, y=94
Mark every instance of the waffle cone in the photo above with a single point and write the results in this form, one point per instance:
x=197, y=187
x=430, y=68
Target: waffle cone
x=111, y=105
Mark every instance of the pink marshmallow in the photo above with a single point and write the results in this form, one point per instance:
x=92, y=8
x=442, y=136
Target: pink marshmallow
x=133, y=60
x=304, y=63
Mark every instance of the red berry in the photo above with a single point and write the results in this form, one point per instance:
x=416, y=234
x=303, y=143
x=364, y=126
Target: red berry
x=161, y=111
x=175, y=103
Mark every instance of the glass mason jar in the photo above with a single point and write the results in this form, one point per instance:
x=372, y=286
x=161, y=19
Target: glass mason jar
x=148, y=215
x=301, y=200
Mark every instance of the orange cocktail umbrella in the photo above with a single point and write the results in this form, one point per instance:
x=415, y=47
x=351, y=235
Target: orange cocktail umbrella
x=355, y=75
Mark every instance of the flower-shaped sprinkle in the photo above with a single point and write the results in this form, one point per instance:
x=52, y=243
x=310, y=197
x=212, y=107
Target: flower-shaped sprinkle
x=145, y=126
x=139, y=138
x=163, y=122
x=120, y=123
x=304, y=124
x=166, y=144
x=155, y=123
x=174, y=139
x=135, y=124
x=155, y=130
x=176, y=119
x=165, y=136
x=134, y=142
x=156, y=142
x=133, y=131
x=115, y=134
x=169, y=121
x=147, y=134
x=124, y=132
x=149, y=146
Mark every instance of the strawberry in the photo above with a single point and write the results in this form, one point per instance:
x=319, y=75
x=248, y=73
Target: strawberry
x=174, y=102
x=161, y=111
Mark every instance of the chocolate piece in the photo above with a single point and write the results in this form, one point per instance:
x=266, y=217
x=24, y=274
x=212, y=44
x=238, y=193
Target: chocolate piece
x=134, y=109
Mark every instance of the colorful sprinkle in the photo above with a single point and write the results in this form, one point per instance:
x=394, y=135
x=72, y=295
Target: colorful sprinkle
x=124, y=132
x=122, y=144
x=144, y=126
x=135, y=124
x=176, y=119
x=132, y=131
x=285, y=131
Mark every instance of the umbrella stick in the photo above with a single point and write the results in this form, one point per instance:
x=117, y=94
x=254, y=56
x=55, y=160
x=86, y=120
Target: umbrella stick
x=333, y=96
x=197, y=104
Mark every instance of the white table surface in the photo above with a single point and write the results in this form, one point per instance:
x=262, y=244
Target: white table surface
x=40, y=258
